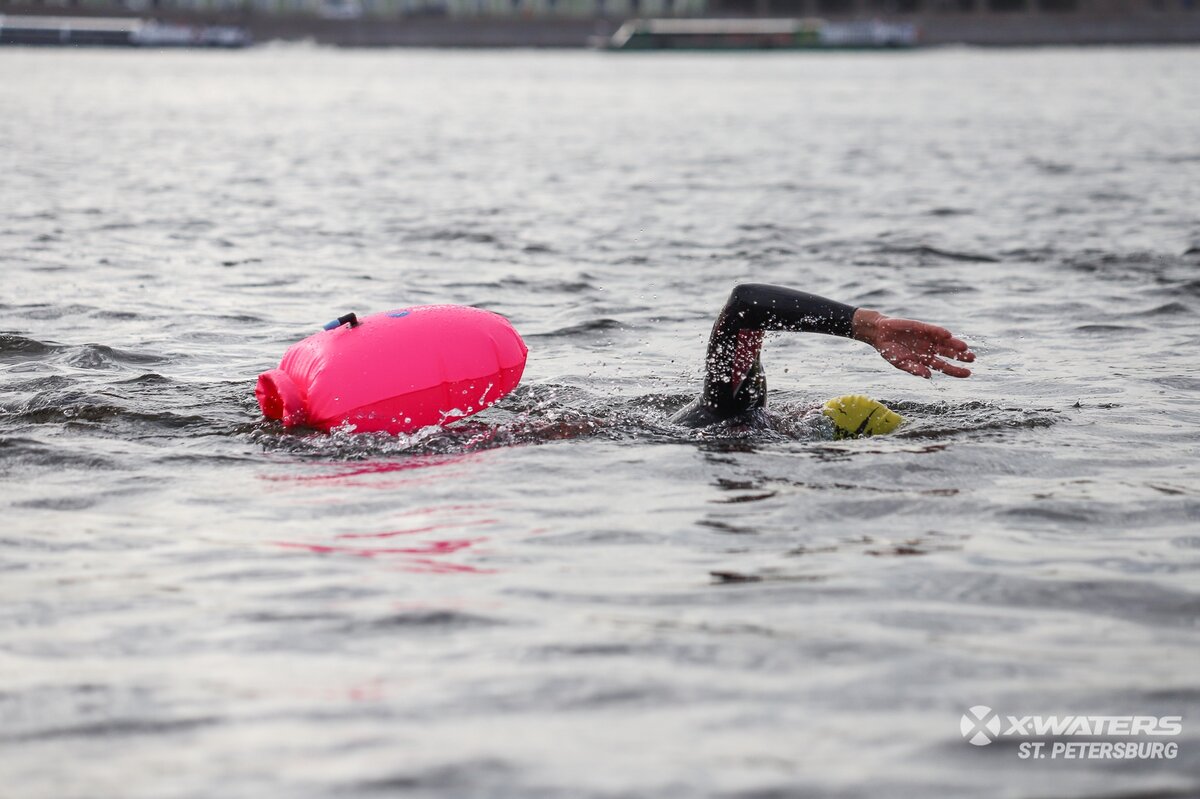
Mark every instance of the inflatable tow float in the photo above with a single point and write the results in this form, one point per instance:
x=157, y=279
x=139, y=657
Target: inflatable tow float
x=396, y=371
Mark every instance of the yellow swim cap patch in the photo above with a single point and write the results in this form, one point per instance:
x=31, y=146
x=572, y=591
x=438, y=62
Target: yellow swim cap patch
x=855, y=416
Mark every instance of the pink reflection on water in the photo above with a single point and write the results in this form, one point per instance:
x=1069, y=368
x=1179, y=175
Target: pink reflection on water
x=367, y=474
x=432, y=534
x=420, y=554
x=431, y=548
x=426, y=566
x=420, y=557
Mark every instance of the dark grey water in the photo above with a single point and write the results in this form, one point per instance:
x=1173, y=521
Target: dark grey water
x=575, y=598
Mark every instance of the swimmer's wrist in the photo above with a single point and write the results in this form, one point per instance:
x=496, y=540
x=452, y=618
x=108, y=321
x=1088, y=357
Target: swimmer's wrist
x=864, y=325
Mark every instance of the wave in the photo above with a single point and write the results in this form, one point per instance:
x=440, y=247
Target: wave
x=937, y=252
x=101, y=356
x=1166, y=309
x=543, y=414
x=20, y=348
x=147, y=404
x=1109, y=329
x=586, y=328
x=14, y=347
x=89, y=410
x=925, y=421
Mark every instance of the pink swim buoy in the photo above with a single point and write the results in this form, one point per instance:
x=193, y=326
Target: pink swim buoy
x=396, y=371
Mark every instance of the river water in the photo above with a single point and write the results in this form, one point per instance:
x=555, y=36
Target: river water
x=573, y=597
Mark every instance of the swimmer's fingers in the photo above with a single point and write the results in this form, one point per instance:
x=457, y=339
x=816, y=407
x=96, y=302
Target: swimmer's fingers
x=922, y=364
x=956, y=349
x=905, y=360
x=939, y=336
x=930, y=361
x=928, y=338
x=942, y=342
x=920, y=348
x=913, y=368
x=947, y=368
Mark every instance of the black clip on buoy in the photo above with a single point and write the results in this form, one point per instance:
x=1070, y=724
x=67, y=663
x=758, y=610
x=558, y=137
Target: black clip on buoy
x=347, y=319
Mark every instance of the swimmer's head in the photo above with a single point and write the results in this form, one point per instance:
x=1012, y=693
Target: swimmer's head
x=856, y=416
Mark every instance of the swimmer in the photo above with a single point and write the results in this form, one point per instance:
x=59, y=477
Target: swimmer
x=735, y=387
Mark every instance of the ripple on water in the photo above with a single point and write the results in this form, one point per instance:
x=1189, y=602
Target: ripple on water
x=604, y=604
x=14, y=348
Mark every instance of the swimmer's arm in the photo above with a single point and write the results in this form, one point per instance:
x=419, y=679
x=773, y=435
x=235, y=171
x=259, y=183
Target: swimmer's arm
x=734, y=381
x=915, y=347
x=760, y=307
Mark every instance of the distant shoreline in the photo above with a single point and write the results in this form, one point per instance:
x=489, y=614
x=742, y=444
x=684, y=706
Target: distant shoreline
x=1174, y=27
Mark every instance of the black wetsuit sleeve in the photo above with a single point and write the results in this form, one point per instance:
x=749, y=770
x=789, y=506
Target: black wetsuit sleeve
x=734, y=381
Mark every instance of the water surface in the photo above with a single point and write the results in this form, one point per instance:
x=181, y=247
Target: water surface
x=573, y=597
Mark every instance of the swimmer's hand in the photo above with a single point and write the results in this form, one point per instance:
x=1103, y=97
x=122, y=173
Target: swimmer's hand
x=912, y=346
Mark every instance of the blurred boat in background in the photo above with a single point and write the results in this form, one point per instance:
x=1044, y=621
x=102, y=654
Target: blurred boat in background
x=758, y=34
x=116, y=32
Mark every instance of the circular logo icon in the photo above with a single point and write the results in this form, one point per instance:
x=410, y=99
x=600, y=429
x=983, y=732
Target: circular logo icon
x=980, y=725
